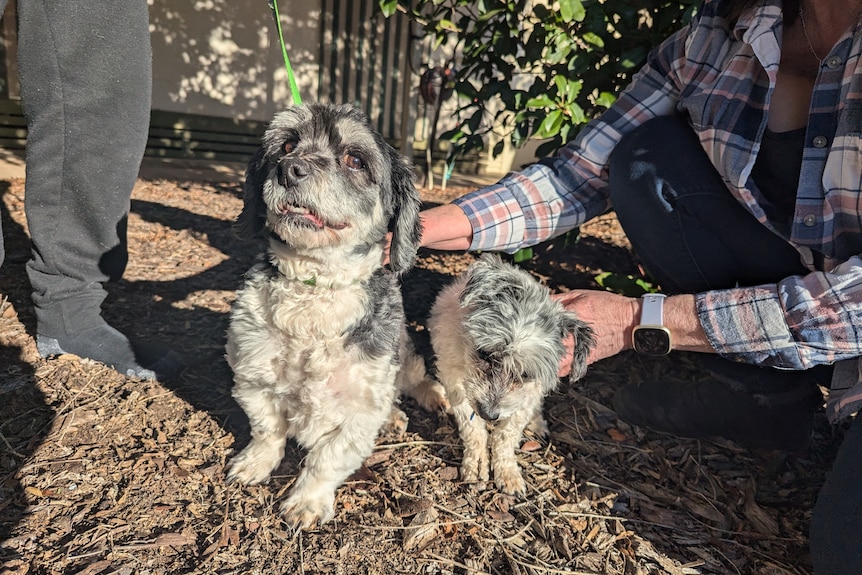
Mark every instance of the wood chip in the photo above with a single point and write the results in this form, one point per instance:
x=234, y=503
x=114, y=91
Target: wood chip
x=423, y=529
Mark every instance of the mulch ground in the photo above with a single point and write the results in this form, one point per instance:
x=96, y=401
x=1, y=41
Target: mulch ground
x=101, y=474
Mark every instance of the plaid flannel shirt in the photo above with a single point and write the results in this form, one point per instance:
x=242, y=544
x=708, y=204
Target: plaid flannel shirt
x=723, y=82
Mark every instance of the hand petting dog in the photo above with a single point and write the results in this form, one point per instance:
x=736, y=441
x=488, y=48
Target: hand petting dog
x=316, y=340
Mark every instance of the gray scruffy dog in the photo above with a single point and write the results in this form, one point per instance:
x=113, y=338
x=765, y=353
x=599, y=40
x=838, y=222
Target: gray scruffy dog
x=498, y=340
x=316, y=340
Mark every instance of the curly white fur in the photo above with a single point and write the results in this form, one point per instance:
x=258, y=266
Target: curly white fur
x=316, y=340
x=498, y=339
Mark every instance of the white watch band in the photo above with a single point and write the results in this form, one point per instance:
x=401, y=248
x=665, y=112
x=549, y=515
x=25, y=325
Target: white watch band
x=652, y=309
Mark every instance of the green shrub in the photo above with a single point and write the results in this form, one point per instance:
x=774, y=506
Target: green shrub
x=528, y=69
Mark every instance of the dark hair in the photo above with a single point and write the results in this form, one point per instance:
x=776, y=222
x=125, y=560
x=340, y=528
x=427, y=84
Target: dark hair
x=731, y=10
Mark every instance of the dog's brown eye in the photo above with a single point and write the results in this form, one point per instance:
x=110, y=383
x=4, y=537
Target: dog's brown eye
x=289, y=146
x=483, y=358
x=353, y=162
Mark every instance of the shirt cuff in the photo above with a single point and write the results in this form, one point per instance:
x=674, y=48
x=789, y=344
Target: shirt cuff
x=748, y=325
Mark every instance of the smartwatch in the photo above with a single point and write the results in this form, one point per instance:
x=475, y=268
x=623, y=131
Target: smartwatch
x=651, y=337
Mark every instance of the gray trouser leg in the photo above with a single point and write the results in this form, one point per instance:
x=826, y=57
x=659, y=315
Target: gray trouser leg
x=85, y=70
x=2, y=245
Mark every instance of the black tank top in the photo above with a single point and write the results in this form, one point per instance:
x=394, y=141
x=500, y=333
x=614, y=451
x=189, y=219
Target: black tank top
x=776, y=172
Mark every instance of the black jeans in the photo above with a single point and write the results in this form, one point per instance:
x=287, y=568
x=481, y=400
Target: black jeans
x=684, y=225
x=692, y=236
x=836, y=523
x=85, y=70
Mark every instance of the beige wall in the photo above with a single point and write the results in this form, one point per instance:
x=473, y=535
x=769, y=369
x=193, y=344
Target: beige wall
x=222, y=57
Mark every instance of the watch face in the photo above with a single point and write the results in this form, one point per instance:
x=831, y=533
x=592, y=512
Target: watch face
x=651, y=340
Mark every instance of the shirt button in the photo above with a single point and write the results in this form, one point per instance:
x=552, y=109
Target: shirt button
x=809, y=220
x=820, y=141
x=833, y=62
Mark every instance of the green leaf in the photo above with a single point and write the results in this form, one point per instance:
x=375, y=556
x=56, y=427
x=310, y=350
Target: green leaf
x=626, y=285
x=489, y=15
x=550, y=125
x=448, y=25
x=605, y=100
x=522, y=255
x=388, y=7
x=572, y=10
x=569, y=89
x=564, y=132
x=576, y=113
x=543, y=101
x=594, y=39
x=634, y=57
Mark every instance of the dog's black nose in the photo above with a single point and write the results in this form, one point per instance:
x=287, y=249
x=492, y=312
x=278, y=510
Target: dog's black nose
x=488, y=412
x=292, y=172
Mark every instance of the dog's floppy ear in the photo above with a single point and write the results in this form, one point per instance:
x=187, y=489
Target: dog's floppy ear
x=584, y=342
x=249, y=224
x=478, y=274
x=405, y=225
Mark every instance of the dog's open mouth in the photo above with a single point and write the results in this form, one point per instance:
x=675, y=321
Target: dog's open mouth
x=298, y=215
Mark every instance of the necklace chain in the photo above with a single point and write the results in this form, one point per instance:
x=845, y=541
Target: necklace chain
x=805, y=32
x=805, y=28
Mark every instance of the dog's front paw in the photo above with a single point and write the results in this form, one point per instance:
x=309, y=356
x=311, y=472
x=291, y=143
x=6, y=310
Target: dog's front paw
x=474, y=466
x=305, y=512
x=538, y=426
x=431, y=395
x=510, y=480
x=254, y=464
x=397, y=422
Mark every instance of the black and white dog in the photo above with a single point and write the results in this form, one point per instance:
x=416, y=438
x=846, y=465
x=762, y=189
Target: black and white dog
x=498, y=340
x=317, y=341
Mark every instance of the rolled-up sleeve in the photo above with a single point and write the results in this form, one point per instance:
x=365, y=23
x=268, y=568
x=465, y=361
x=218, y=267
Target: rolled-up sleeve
x=800, y=322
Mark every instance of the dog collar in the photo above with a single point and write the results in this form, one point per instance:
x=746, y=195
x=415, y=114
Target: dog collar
x=312, y=281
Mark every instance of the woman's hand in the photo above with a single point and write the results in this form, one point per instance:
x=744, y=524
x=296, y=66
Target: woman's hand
x=611, y=316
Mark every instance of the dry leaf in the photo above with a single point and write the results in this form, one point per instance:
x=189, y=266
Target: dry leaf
x=378, y=457
x=173, y=540
x=447, y=473
x=34, y=491
x=95, y=568
x=616, y=435
x=500, y=515
x=531, y=445
x=410, y=507
x=421, y=531
x=760, y=519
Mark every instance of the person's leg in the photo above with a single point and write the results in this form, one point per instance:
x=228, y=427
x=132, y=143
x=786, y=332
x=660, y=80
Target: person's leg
x=2, y=245
x=836, y=523
x=85, y=71
x=685, y=226
x=692, y=236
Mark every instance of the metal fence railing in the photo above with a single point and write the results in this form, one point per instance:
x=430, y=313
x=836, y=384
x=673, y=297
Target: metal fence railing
x=365, y=60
